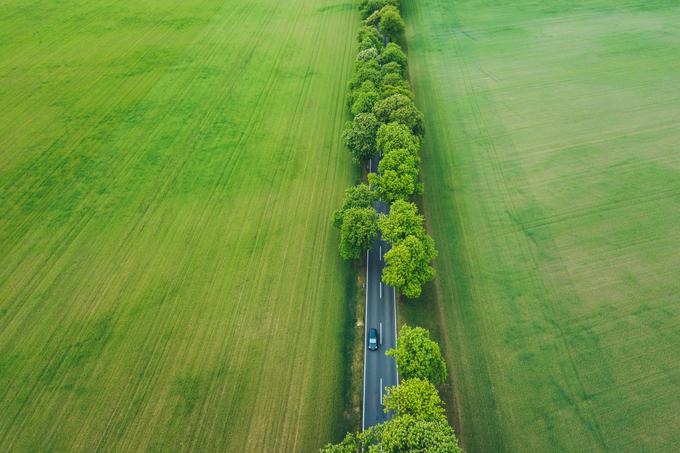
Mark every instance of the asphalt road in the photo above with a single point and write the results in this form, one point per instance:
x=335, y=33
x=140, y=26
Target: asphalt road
x=380, y=371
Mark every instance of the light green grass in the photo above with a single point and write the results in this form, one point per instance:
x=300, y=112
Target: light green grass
x=169, y=277
x=552, y=186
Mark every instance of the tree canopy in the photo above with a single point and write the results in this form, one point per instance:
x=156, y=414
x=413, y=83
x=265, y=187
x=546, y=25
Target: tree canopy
x=364, y=98
x=360, y=136
x=400, y=434
x=392, y=53
x=418, y=356
x=393, y=136
x=402, y=221
x=371, y=34
x=401, y=109
x=391, y=23
x=359, y=227
x=368, y=7
x=359, y=196
x=415, y=397
x=365, y=70
x=407, y=265
x=398, y=177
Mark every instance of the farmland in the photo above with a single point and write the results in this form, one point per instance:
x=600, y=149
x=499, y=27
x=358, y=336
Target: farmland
x=169, y=277
x=552, y=188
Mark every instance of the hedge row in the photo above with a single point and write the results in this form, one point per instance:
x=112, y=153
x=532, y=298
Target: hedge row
x=385, y=123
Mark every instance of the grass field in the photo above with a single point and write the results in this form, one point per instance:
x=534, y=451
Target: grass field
x=552, y=186
x=169, y=277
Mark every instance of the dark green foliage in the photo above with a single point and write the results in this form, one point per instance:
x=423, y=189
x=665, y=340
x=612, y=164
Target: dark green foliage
x=402, y=221
x=360, y=135
x=398, y=176
x=359, y=196
x=359, y=227
x=407, y=265
x=393, y=54
x=364, y=98
x=401, y=109
x=415, y=397
x=418, y=356
x=393, y=136
x=391, y=24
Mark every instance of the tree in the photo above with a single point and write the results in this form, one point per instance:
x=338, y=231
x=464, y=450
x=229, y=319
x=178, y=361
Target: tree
x=398, y=177
x=371, y=34
x=406, y=433
x=391, y=23
x=368, y=7
x=401, y=109
x=359, y=228
x=393, y=136
x=402, y=221
x=393, y=83
x=415, y=397
x=419, y=357
x=359, y=196
x=360, y=135
x=393, y=54
x=368, y=54
x=408, y=265
x=401, y=434
x=364, y=98
x=392, y=67
x=365, y=70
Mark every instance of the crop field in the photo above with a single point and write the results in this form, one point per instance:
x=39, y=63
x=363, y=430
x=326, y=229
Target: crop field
x=552, y=188
x=169, y=277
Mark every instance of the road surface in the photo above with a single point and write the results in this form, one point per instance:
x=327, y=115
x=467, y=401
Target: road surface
x=380, y=371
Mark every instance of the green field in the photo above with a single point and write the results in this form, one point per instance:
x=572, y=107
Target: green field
x=169, y=277
x=552, y=187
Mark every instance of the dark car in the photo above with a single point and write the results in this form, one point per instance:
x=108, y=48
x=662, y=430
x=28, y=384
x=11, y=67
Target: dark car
x=373, y=342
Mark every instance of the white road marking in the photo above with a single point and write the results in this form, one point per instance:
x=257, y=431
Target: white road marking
x=381, y=257
x=381, y=290
x=381, y=392
x=380, y=333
